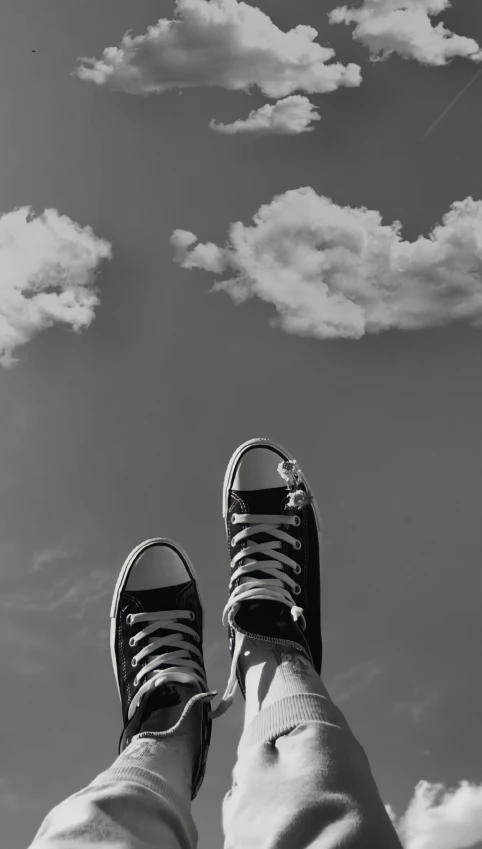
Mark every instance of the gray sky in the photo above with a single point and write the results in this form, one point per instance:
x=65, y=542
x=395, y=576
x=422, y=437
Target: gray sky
x=123, y=432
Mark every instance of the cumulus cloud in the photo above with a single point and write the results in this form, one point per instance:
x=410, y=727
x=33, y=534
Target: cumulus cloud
x=405, y=27
x=333, y=271
x=290, y=117
x=219, y=43
x=47, y=272
x=437, y=818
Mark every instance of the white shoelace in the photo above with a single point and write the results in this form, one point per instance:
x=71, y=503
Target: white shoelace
x=182, y=667
x=270, y=588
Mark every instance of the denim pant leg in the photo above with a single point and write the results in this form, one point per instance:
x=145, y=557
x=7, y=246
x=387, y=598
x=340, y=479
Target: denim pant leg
x=129, y=806
x=302, y=781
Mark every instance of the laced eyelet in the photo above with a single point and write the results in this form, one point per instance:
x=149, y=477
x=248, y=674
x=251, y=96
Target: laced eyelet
x=297, y=545
x=297, y=589
x=135, y=681
x=134, y=662
x=297, y=521
x=129, y=619
x=191, y=616
x=132, y=642
x=298, y=569
x=233, y=518
x=233, y=543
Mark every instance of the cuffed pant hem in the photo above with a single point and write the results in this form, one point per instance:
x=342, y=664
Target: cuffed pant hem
x=142, y=777
x=284, y=715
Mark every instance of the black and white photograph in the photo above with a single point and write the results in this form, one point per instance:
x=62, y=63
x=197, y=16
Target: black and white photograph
x=240, y=424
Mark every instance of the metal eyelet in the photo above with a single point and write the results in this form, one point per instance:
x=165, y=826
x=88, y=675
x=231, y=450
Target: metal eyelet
x=134, y=662
x=129, y=619
x=233, y=543
x=297, y=521
x=191, y=616
x=132, y=642
x=135, y=681
x=297, y=545
x=233, y=518
x=297, y=589
x=298, y=569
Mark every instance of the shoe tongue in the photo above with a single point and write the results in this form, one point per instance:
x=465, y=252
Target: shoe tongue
x=255, y=613
x=165, y=695
x=272, y=620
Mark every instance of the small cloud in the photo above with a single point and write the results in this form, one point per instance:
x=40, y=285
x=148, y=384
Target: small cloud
x=417, y=707
x=290, y=117
x=47, y=273
x=337, y=272
x=344, y=685
x=48, y=557
x=219, y=43
x=71, y=595
x=437, y=818
x=207, y=256
x=404, y=27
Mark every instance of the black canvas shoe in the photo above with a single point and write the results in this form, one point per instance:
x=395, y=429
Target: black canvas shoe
x=156, y=642
x=273, y=528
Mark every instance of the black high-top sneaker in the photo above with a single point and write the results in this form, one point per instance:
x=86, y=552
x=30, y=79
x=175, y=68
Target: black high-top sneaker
x=156, y=642
x=273, y=527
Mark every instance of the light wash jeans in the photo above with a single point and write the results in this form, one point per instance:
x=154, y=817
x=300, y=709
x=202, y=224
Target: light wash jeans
x=301, y=781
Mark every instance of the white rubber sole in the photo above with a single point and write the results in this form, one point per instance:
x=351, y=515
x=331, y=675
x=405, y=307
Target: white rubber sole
x=121, y=580
x=231, y=470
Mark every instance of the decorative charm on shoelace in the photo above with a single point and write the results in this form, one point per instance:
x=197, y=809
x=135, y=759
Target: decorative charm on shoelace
x=290, y=472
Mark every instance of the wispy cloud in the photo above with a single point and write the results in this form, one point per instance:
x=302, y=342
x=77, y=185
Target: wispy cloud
x=48, y=265
x=416, y=707
x=57, y=590
x=223, y=43
x=437, y=818
x=337, y=272
x=290, y=116
x=404, y=27
x=72, y=596
x=49, y=556
x=345, y=685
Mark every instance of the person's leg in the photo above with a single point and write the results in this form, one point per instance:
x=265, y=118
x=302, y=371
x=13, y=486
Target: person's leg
x=143, y=801
x=302, y=780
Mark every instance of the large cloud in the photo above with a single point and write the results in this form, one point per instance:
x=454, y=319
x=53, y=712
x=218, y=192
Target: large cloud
x=334, y=271
x=220, y=43
x=290, y=116
x=437, y=818
x=404, y=27
x=47, y=272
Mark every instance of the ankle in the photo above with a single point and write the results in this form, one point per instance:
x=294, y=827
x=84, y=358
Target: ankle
x=274, y=672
